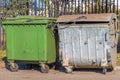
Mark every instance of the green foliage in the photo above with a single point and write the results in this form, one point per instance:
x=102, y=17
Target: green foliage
x=23, y=6
x=119, y=12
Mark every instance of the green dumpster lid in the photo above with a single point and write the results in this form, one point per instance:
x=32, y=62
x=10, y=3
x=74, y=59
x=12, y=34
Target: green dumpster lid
x=28, y=20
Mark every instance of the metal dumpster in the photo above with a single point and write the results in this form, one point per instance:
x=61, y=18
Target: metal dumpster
x=87, y=41
x=30, y=40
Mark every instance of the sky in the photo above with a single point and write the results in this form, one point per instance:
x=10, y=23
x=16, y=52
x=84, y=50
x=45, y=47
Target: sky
x=118, y=4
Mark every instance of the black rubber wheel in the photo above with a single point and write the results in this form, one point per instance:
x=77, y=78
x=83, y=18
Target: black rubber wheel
x=44, y=69
x=15, y=68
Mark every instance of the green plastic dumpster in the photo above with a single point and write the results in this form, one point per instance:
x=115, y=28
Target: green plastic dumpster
x=30, y=40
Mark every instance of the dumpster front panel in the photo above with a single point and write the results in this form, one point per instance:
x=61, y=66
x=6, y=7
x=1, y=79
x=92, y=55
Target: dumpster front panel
x=22, y=43
x=30, y=42
x=84, y=46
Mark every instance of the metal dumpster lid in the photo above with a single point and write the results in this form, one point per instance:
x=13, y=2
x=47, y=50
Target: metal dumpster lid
x=87, y=18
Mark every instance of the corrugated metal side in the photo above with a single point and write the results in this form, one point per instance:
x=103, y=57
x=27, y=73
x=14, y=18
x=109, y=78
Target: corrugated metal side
x=84, y=46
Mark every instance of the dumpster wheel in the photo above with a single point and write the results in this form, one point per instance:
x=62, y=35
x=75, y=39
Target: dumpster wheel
x=104, y=70
x=44, y=68
x=68, y=70
x=14, y=67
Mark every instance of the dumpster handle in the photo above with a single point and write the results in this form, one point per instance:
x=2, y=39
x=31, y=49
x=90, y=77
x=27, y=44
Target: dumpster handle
x=74, y=20
x=105, y=36
x=29, y=20
x=81, y=17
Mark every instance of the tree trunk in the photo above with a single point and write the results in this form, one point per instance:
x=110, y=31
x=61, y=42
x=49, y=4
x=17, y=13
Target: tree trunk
x=27, y=7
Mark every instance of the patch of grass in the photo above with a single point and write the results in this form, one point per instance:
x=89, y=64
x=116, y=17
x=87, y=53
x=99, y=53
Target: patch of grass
x=118, y=56
x=118, y=25
x=2, y=55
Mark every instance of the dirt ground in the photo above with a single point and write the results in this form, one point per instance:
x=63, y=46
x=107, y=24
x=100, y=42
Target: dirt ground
x=81, y=74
